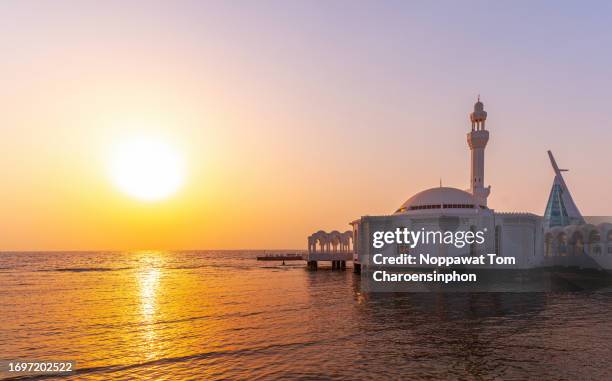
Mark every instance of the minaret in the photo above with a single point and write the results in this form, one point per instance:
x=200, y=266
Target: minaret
x=477, y=140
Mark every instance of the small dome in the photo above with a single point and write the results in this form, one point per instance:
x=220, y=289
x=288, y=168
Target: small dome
x=479, y=115
x=478, y=106
x=439, y=198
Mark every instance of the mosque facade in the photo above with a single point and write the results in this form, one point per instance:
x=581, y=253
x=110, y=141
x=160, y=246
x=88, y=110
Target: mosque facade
x=561, y=237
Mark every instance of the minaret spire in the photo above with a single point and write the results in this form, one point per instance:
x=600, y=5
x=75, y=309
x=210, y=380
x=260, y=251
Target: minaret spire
x=477, y=140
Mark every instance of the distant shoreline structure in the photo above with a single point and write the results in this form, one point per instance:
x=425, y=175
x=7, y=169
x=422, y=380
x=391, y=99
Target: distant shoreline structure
x=280, y=257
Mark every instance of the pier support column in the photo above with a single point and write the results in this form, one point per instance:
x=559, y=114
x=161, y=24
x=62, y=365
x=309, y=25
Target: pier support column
x=343, y=265
x=312, y=265
x=334, y=266
x=357, y=268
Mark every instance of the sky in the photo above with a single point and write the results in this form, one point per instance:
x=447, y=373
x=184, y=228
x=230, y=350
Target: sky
x=291, y=116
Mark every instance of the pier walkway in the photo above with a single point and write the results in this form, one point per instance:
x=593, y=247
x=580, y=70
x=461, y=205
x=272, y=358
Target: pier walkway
x=337, y=259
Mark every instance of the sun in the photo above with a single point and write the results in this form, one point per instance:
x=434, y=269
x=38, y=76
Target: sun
x=147, y=168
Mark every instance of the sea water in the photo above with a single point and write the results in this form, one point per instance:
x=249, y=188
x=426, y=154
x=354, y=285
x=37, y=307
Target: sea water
x=222, y=315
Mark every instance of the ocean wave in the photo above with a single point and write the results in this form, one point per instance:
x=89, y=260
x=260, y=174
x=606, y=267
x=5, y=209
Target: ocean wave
x=87, y=269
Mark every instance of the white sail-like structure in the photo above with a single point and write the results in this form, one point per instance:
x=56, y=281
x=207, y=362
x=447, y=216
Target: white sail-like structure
x=560, y=208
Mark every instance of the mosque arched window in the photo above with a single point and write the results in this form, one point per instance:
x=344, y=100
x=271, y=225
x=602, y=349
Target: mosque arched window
x=594, y=239
x=401, y=248
x=498, y=238
x=562, y=244
x=473, y=245
x=577, y=243
x=548, y=244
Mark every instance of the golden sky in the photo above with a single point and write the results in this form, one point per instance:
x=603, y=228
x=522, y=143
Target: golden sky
x=289, y=120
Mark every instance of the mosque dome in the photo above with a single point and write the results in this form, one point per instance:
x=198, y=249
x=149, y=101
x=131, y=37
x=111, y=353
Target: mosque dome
x=439, y=198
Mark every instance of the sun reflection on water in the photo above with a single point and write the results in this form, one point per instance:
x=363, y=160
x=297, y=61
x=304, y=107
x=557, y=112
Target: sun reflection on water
x=148, y=280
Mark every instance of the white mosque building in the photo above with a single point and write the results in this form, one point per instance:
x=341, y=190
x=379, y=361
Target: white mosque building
x=559, y=238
